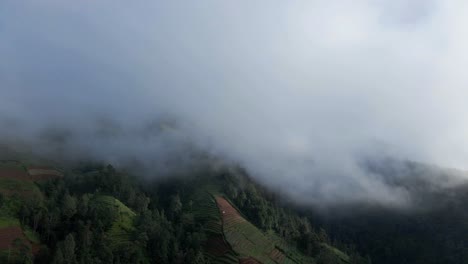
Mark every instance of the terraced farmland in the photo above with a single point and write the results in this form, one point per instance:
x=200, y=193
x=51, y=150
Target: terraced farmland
x=206, y=211
x=248, y=241
x=122, y=227
x=19, y=171
x=249, y=260
x=217, y=250
x=232, y=238
x=244, y=237
x=13, y=239
x=21, y=188
x=8, y=235
x=16, y=185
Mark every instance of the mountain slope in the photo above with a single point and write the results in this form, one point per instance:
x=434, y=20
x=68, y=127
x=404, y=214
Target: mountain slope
x=18, y=188
x=92, y=213
x=232, y=238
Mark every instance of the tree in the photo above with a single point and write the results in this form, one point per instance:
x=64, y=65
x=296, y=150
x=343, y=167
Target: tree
x=58, y=257
x=68, y=249
x=83, y=205
x=200, y=258
x=195, y=257
x=23, y=250
x=326, y=256
x=175, y=206
x=141, y=203
x=322, y=235
x=65, y=252
x=69, y=206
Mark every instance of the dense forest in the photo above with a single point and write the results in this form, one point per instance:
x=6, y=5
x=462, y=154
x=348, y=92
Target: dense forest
x=95, y=213
x=391, y=237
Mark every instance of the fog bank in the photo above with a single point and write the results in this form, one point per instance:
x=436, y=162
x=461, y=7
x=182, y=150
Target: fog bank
x=299, y=93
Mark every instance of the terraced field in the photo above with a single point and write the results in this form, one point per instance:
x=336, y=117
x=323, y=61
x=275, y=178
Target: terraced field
x=122, y=227
x=15, y=186
x=19, y=171
x=13, y=239
x=246, y=239
x=8, y=235
x=249, y=260
x=217, y=250
x=232, y=238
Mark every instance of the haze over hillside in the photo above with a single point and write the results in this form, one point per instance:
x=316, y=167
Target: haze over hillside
x=299, y=93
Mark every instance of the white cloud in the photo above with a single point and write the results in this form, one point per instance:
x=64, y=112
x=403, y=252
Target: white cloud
x=297, y=91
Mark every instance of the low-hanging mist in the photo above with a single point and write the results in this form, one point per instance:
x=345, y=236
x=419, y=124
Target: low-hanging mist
x=299, y=93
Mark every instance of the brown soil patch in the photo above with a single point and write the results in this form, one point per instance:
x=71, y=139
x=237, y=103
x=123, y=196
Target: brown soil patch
x=14, y=173
x=229, y=214
x=216, y=246
x=34, y=173
x=18, y=193
x=9, y=234
x=249, y=260
x=277, y=255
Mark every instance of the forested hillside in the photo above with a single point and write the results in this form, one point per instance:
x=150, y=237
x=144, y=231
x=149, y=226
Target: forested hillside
x=91, y=213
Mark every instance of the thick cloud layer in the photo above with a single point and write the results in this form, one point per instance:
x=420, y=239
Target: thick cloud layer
x=298, y=92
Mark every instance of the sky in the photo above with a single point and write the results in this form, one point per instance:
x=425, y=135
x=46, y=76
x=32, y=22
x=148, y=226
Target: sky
x=297, y=92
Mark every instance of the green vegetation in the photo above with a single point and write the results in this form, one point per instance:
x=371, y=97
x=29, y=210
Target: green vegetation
x=12, y=164
x=6, y=221
x=247, y=240
x=243, y=238
x=205, y=210
x=334, y=251
x=16, y=194
x=96, y=214
x=123, y=223
x=10, y=209
x=288, y=249
x=17, y=186
x=32, y=235
x=289, y=233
